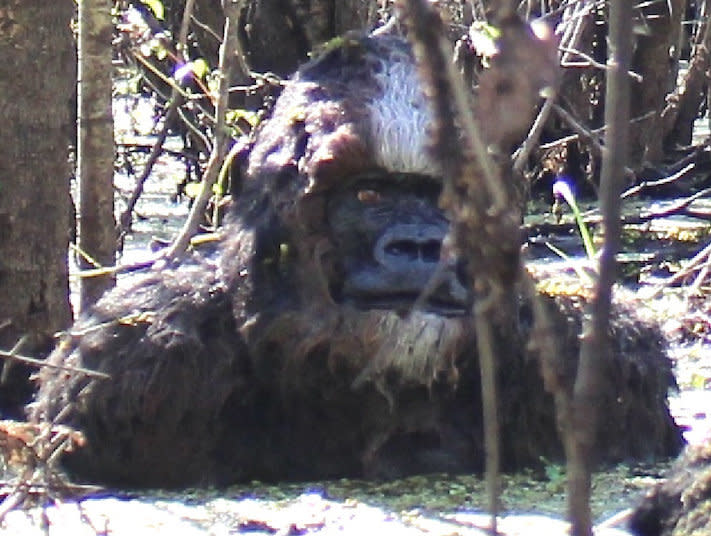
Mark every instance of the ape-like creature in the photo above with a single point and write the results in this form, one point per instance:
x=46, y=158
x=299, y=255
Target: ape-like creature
x=294, y=350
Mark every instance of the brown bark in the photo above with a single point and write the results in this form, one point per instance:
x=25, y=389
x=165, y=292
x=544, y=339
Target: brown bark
x=277, y=35
x=579, y=435
x=683, y=108
x=653, y=62
x=95, y=155
x=37, y=87
x=354, y=14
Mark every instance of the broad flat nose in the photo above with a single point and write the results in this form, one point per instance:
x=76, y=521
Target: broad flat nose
x=412, y=244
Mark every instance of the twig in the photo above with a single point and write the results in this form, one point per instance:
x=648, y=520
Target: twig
x=574, y=26
x=522, y=154
x=177, y=97
x=39, y=445
x=476, y=195
x=207, y=29
x=12, y=354
x=682, y=204
x=693, y=264
x=165, y=79
x=40, y=363
x=184, y=27
x=586, y=135
x=37, y=488
x=582, y=132
x=695, y=287
x=12, y=501
x=448, y=101
x=130, y=147
x=228, y=50
x=590, y=62
x=659, y=182
x=594, y=132
x=572, y=38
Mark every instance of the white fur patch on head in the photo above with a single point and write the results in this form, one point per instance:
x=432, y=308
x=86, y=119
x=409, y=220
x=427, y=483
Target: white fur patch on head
x=399, y=118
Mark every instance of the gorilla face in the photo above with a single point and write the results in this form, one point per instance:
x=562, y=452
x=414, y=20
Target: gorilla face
x=389, y=231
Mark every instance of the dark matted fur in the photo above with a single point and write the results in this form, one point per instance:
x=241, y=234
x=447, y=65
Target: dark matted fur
x=681, y=504
x=241, y=365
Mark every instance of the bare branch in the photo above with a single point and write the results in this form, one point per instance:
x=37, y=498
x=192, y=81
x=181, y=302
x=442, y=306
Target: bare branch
x=228, y=50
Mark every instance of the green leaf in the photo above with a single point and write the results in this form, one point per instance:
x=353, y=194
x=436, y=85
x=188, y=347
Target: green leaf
x=193, y=189
x=562, y=189
x=161, y=52
x=218, y=189
x=232, y=116
x=483, y=38
x=698, y=381
x=200, y=68
x=156, y=7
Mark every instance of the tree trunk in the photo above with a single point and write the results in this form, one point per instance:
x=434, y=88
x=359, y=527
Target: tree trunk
x=37, y=87
x=277, y=35
x=683, y=108
x=95, y=154
x=652, y=60
x=580, y=435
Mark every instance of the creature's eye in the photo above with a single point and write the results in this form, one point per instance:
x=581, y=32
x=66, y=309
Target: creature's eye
x=369, y=197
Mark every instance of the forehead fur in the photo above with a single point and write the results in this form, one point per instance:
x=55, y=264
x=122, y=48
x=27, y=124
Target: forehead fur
x=399, y=117
x=356, y=108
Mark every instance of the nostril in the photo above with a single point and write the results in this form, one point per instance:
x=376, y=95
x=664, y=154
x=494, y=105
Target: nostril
x=460, y=271
x=412, y=250
x=430, y=250
x=414, y=244
x=406, y=249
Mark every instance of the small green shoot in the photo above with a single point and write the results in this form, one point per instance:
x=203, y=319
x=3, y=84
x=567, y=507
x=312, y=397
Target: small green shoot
x=561, y=189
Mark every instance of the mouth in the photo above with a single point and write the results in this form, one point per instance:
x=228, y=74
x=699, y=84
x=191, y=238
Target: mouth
x=406, y=287
x=405, y=302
